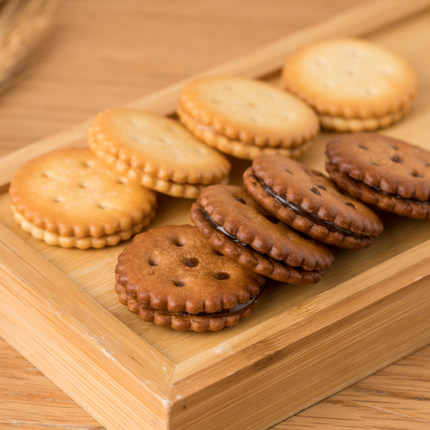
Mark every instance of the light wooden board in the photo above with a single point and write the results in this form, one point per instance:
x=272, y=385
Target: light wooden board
x=369, y=310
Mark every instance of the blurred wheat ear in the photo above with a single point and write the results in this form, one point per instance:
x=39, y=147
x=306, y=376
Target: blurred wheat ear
x=24, y=26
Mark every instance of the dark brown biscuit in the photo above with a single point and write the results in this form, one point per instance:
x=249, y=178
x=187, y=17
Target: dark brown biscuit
x=172, y=276
x=238, y=227
x=309, y=202
x=386, y=172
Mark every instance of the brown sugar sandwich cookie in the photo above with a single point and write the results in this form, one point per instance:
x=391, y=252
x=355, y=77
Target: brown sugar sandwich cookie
x=239, y=228
x=382, y=171
x=309, y=202
x=72, y=199
x=246, y=117
x=171, y=276
x=157, y=152
x=353, y=84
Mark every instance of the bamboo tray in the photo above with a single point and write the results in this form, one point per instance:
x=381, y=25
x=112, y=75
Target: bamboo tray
x=303, y=343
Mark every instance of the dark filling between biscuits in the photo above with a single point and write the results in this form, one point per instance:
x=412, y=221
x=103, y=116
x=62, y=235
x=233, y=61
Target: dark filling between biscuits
x=222, y=230
x=311, y=216
x=236, y=240
x=236, y=310
x=395, y=196
x=379, y=190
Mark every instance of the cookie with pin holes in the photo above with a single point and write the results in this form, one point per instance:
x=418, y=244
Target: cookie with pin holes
x=310, y=202
x=353, y=84
x=236, y=226
x=382, y=171
x=173, y=277
x=246, y=117
x=157, y=152
x=70, y=198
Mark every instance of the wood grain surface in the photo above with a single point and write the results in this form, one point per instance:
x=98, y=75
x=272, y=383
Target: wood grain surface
x=106, y=53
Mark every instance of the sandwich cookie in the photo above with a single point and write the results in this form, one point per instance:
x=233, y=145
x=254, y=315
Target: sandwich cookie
x=309, y=202
x=382, y=171
x=171, y=276
x=246, y=117
x=157, y=152
x=353, y=84
x=72, y=199
x=239, y=228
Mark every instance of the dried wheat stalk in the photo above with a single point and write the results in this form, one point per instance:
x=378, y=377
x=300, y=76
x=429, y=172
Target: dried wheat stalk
x=24, y=25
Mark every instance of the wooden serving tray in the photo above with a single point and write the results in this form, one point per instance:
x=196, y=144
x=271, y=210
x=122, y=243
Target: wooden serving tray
x=58, y=307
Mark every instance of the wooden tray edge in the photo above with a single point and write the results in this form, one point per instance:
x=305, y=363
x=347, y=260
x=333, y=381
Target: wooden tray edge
x=50, y=306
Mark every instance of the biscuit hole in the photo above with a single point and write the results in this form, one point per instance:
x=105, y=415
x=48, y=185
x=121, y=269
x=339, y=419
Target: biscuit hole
x=288, y=171
x=416, y=174
x=152, y=262
x=87, y=164
x=316, y=191
x=396, y=159
x=191, y=262
x=240, y=200
x=82, y=185
x=322, y=187
x=217, y=253
x=46, y=174
x=179, y=242
x=251, y=104
x=121, y=181
x=222, y=276
x=101, y=205
x=177, y=283
x=351, y=205
x=57, y=200
x=272, y=219
x=374, y=164
x=360, y=145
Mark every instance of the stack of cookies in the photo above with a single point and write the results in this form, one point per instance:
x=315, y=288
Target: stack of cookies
x=353, y=84
x=246, y=117
x=156, y=152
x=384, y=172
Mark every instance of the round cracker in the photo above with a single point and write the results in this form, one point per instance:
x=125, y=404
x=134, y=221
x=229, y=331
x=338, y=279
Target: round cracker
x=70, y=198
x=247, y=111
x=157, y=152
x=174, y=268
x=310, y=202
x=350, y=78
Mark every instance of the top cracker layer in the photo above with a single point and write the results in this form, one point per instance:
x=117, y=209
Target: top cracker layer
x=351, y=78
x=156, y=151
